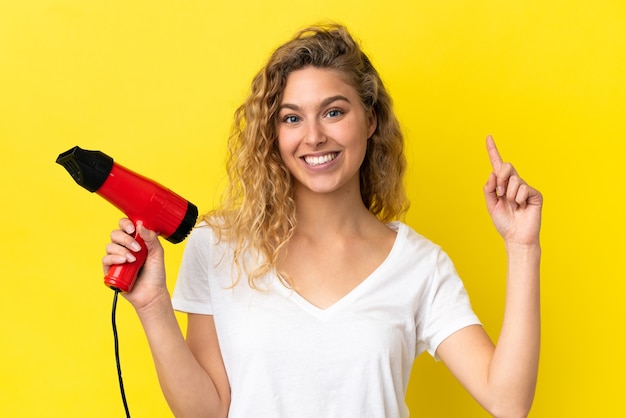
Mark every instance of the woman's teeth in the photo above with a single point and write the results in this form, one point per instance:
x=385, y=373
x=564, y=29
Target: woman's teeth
x=317, y=160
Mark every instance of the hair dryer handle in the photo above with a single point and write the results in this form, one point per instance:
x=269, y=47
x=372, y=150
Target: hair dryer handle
x=123, y=276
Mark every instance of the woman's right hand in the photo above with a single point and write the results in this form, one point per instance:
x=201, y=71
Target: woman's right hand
x=150, y=284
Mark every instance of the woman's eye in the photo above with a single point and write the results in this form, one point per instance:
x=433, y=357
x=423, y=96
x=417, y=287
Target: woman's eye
x=291, y=119
x=333, y=113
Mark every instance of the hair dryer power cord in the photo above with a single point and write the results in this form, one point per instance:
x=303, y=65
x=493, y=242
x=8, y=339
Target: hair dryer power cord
x=117, y=353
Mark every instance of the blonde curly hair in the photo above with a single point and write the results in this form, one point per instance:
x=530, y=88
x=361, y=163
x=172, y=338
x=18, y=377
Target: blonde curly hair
x=258, y=213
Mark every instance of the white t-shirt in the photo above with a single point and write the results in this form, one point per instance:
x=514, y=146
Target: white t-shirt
x=287, y=358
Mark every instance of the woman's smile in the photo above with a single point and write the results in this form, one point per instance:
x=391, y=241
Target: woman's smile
x=317, y=160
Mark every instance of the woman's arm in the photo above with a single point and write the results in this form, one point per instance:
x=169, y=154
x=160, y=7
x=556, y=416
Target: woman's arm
x=191, y=374
x=503, y=378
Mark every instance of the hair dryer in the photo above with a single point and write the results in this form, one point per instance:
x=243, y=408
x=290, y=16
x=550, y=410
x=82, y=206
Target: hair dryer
x=140, y=198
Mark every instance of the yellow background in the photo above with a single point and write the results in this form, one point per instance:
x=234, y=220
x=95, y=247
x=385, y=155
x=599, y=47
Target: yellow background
x=154, y=85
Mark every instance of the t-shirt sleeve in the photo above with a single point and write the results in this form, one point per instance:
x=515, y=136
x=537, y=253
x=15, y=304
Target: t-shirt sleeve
x=191, y=292
x=447, y=307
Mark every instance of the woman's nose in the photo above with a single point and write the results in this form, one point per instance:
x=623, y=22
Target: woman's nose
x=314, y=135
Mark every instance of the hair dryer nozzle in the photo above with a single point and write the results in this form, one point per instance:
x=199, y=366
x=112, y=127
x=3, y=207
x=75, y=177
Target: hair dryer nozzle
x=89, y=169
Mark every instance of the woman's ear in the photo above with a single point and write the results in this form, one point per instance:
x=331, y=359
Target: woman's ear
x=373, y=123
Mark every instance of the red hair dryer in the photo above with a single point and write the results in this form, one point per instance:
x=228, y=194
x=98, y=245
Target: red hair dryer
x=140, y=198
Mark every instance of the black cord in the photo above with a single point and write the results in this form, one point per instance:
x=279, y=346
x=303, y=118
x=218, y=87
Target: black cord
x=117, y=353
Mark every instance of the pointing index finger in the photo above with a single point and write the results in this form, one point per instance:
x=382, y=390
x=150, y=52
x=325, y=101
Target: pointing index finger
x=494, y=155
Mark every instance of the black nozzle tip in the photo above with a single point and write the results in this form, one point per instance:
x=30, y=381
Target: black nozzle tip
x=89, y=169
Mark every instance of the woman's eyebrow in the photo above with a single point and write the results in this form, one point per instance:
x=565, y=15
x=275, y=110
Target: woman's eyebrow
x=324, y=102
x=332, y=99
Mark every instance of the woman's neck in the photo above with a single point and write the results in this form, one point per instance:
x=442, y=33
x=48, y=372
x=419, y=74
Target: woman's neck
x=324, y=214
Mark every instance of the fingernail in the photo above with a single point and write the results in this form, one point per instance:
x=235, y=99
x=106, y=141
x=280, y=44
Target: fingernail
x=135, y=246
x=130, y=257
x=500, y=191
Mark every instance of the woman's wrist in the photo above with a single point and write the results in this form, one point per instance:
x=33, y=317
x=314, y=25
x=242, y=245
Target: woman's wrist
x=158, y=304
x=523, y=248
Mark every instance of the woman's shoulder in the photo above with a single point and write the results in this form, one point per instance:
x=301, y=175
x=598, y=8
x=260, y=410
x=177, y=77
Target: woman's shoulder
x=413, y=251
x=204, y=233
x=409, y=238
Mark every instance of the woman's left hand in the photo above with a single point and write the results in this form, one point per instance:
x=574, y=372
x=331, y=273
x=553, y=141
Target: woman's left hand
x=514, y=206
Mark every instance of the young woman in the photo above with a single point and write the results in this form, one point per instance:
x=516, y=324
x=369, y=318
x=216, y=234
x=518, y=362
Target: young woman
x=306, y=297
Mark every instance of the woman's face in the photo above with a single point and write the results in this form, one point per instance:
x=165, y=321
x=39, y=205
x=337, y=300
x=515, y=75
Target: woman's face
x=323, y=130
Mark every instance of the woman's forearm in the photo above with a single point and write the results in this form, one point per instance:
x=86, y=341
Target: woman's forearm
x=186, y=385
x=514, y=366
